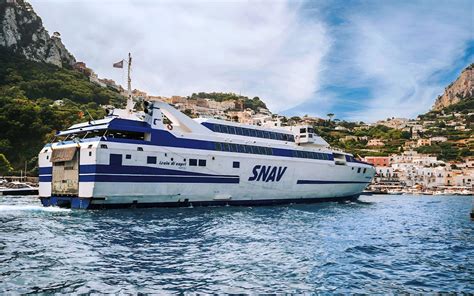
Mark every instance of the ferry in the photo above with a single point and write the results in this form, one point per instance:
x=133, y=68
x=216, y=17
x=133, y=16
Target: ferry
x=162, y=158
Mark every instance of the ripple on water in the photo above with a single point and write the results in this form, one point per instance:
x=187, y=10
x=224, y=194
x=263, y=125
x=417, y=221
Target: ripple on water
x=382, y=244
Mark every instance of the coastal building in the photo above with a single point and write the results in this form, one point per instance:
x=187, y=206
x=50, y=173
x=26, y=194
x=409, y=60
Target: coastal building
x=423, y=172
x=111, y=83
x=378, y=161
x=423, y=142
x=438, y=139
x=79, y=66
x=95, y=79
x=396, y=123
x=375, y=143
x=362, y=127
x=416, y=130
x=348, y=138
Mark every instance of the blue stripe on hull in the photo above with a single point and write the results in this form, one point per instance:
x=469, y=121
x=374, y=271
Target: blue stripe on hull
x=330, y=182
x=45, y=178
x=84, y=203
x=139, y=170
x=45, y=170
x=157, y=179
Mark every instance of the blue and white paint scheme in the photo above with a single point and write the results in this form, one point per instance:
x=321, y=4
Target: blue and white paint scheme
x=164, y=158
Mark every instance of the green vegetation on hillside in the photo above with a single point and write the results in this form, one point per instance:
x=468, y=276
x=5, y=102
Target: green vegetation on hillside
x=253, y=104
x=28, y=113
x=393, y=138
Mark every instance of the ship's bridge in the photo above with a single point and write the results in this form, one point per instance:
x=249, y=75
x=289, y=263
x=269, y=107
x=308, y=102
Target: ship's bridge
x=304, y=134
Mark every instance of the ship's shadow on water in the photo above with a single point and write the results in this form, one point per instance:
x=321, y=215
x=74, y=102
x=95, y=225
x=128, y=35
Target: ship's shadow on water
x=379, y=244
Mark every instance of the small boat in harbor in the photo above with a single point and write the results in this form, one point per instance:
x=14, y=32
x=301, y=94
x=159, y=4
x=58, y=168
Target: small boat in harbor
x=18, y=188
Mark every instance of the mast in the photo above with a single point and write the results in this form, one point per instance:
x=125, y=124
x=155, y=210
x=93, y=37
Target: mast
x=129, y=99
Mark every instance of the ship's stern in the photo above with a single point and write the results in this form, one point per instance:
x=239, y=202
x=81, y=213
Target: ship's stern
x=59, y=175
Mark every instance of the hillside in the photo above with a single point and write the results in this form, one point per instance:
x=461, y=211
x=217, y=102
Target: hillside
x=460, y=92
x=39, y=92
x=37, y=99
x=445, y=132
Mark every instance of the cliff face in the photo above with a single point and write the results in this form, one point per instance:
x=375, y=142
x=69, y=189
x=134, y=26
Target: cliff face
x=22, y=31
x=460, y=89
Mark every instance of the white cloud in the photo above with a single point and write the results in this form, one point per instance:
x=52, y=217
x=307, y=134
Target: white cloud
x=257, y=48
x=396, y=48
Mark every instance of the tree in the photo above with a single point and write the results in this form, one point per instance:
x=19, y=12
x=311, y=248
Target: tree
x=330, y=115
x=5, y=166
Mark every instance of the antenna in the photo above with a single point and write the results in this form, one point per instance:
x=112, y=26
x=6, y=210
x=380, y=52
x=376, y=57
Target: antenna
x=89, y=115
x=129, y=99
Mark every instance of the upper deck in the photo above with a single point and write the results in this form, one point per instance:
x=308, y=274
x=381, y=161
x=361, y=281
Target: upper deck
x=204, y=134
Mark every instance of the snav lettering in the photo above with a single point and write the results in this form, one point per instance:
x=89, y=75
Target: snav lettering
x=267, y=173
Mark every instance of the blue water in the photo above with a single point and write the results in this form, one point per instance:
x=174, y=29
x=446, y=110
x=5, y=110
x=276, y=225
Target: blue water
x=381, y=244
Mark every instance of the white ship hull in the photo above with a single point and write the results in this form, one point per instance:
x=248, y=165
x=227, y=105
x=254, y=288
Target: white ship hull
x=108, y=173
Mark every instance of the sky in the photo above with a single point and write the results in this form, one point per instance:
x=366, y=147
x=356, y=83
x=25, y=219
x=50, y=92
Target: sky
x=361, y=60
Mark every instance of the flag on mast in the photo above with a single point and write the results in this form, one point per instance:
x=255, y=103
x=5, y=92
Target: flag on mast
x=118, y=64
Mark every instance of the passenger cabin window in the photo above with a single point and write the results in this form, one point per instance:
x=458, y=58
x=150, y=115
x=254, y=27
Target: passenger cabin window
x=302, y=131
x=358, y=170
x=116, y=134
x=151, y=160
x=128, y=156
x=236, y=164
x=192, y=162
x=139, y=149
x=202, y=162
x=103, y=146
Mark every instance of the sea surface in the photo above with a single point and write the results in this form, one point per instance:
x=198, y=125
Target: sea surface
x=380, y=244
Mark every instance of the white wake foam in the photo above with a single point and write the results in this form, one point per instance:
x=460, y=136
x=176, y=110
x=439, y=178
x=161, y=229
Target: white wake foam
x=14, y=208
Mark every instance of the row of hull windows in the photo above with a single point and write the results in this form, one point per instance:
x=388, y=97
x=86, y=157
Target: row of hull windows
x=229, y=147
x=248, y=132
